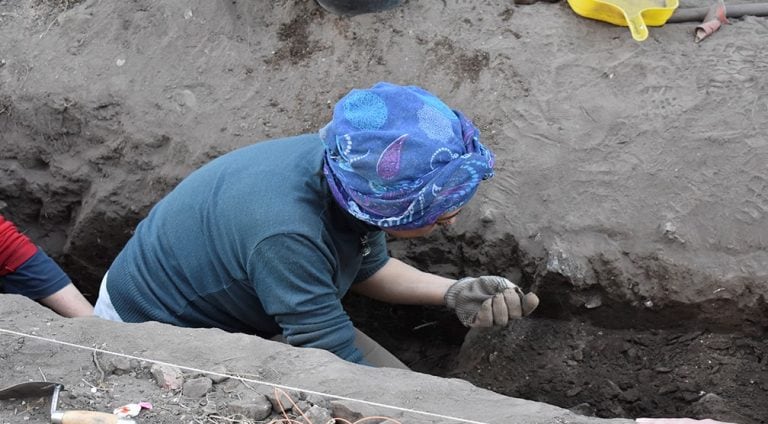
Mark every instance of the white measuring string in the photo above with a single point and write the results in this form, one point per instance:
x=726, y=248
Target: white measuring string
x=250, y=380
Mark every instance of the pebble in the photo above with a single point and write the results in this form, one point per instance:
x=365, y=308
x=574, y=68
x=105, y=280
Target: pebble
x=197, y=387
x=583, y=409
x=218, y=377
x=631, y=395
x=285, y=400
x=316, y=414
x=258, y=409
x=573, y=391
x=666, y=389
x=119, y=365
x=167, y=377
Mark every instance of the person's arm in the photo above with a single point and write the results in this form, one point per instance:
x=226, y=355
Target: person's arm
x=27, y=270
x=399, y=283
x=293, y=278
x=40, y=278
x=68, y=302
x=478, y=301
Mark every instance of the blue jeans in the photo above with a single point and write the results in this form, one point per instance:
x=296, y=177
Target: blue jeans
x=356, y=7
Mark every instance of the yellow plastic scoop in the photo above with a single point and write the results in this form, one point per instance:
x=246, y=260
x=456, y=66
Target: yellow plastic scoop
x=638, y=15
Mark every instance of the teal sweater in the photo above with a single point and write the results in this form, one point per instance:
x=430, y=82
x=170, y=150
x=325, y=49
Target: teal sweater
x=251, y=242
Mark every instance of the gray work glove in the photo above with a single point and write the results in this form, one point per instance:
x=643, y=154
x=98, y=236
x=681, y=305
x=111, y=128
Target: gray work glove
x=489, y=300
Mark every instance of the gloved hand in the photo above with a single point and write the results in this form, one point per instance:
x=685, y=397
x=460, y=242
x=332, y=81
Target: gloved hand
x=489, y=300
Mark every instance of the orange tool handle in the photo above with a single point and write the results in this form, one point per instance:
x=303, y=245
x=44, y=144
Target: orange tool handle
x=88, y=417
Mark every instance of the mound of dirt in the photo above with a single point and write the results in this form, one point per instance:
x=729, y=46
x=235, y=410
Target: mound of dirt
x=208, y=376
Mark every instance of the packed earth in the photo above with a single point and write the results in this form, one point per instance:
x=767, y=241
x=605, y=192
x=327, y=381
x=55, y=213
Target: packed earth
x=631, y=194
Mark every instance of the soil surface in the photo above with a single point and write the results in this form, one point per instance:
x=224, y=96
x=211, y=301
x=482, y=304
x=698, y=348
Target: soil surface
x=209, y=376
x=678, y=370
x=631, y=192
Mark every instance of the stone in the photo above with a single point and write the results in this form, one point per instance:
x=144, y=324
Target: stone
x=316, y=414
x=220, y=374
x=120, y=365
x=286, y=400
x=257, y=409
x=583, y=409
x=167, y=377
x=197, y=387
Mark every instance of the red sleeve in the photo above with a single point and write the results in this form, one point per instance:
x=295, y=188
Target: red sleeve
x=15, y=248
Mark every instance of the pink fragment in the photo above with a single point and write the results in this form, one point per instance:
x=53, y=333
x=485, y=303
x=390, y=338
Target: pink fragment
x=130, y=410
x=712, y=22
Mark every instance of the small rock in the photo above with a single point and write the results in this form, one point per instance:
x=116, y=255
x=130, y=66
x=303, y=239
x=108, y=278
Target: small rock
x=666, y=389
x=488, y=216
x=318, y=400
x=258, y=409
x=316, y=414
x=197, y=387
x=221, y=374
x=119, y=365
x=573, y=391
x=340, y=409
x=631, y=395
x=690, y=396
x=611, y=389
x=210, y=408
x=714, y=406
x=632, y=353
x=301, y=405
x=167, y=377
x=594, y=302
x=583, y=409
x=617, y=410
x=578, y=355
x=286, y=400
x=669, y=230
x=354, y=411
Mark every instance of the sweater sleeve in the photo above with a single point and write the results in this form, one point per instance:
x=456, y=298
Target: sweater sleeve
x=15, y=247
x=37, y=278
x=294, y=280
x=376, y=259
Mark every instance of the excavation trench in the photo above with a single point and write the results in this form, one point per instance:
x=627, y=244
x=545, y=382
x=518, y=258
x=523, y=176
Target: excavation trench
x=685, y=369
x=613, y=360
x=617, y=359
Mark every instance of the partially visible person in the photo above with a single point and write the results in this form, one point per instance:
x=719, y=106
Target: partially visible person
x=25, y=269
x=357, y=7
x=267, y=239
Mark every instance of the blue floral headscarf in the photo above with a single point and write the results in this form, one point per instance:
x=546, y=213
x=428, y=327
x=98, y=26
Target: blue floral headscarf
x=398, y=157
